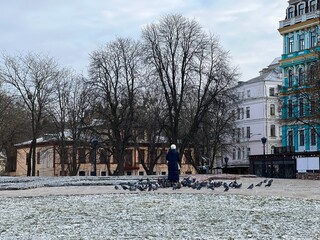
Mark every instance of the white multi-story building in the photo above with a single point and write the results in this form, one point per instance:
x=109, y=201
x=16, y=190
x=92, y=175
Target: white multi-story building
x=258, y=116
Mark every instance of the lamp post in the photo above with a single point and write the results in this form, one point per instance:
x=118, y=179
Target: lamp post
x=94, y=144
x=264, y=140
x=226, y=159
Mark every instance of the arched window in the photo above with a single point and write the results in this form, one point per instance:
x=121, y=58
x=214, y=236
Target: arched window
x=290, y=78
x=290, y=12
x=301, y=9
x=301, y=76
x=312, y=5
x=312, y=73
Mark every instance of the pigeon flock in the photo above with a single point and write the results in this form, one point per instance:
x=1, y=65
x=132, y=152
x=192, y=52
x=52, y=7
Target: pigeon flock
x=153, y=185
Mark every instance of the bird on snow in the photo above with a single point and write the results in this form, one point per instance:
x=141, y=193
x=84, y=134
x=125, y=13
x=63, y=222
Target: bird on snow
x=259, y=184
x=226, y=188
x=269, y=183
x=116, y=187
x=251, y=186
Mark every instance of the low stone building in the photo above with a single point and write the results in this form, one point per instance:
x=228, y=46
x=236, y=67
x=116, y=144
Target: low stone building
x=48, y=160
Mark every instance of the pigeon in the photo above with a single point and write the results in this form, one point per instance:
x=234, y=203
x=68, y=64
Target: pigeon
x=226, y=188
x=269, y=183
x=116, y=187
x=251, y=186
x=259, y=184
x=124, y=187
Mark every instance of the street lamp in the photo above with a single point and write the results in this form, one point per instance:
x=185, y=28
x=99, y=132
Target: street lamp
x=264, y=141
x=226, y=159
x=94, y=144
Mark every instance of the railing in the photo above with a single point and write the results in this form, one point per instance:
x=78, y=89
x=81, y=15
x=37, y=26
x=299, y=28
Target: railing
x=297, y=19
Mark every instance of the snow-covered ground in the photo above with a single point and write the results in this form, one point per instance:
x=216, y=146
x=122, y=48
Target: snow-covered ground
x=91, y=208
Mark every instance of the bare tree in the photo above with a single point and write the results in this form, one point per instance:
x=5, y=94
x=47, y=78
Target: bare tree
x=193, y=69
x=14, y=127
x=69, y=112
x=31, y=77
x=114, y=73
x=150, y=125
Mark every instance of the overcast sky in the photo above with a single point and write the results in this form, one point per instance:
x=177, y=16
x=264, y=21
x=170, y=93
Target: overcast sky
x=69, y=30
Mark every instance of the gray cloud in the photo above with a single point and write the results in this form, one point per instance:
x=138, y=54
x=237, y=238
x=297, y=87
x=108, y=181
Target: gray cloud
x=70, y=30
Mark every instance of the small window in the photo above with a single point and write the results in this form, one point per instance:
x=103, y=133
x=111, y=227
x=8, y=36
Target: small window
x=290, y=12
x=248, y=93
x=103, y=173
x=290, y=44
x=290, y=78
x=290, y=138
x=273, y=130
x=82, y=173
x=301, y=9
x=313, y=39
x=272, y=109
x=301, y=76
x=301, y=107
x=290, y=108
x=313, y=140
x=301, y=137
x=271, y=91
x=247, y=112
x=248, y=132
x=234, y=154
x=38, y=157
x=312, y=6
x=301, y=42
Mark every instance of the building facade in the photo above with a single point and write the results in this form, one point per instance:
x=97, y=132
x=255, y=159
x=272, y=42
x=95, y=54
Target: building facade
x=89, y=162
x=257, y=116
x=300, y=32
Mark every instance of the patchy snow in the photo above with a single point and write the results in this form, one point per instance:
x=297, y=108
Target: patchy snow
x=90, y=208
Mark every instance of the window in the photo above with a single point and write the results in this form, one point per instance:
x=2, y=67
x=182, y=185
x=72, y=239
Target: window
x=312, y=73
x=248, y=132
x=238, y=113
x=272, y=109
x=290, y=138
x=38, y=157
x=81, y=155
x=239, y=153
x=273, y=130
x=290, y=12
x=238, y=134
x=248, y=93
x=271, y=91
x=141, y=156
x=290, y=44
x=313, y=106
x=234, y=154
x=301, y=42
x=301, y=76
x=301, y=9
x=290, y=78
x=301, y=137
x=301, y=107
x=290, y=113
x=103, y=157
x=242, y=113
x=312, y=6
x=313, y=41
x=247, y=112
x=313, y=137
